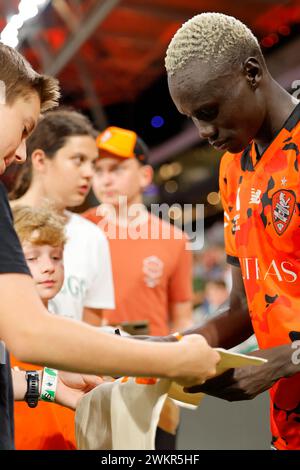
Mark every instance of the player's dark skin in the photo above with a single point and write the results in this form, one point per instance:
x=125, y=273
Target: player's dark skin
x=234, y=107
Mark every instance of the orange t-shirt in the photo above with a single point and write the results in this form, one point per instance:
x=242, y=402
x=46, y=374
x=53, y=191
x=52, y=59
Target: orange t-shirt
x=149, y=274
x=46, y=427
x=261, y=200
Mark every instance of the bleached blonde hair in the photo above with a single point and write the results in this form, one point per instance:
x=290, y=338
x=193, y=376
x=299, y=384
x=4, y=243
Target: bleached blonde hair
x=213, y=38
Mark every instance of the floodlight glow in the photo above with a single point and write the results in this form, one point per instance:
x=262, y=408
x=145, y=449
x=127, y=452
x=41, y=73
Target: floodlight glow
x=10, y=40
x=16, y=21
x=27, y=9
x=39, y=2
x=9, y=35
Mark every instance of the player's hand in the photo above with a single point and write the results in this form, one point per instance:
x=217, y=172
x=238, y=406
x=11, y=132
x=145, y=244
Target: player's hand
x=71, y=387
x=197, y=360
x=246, y=383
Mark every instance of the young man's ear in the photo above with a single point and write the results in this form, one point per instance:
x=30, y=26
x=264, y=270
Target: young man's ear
x=39, y=160
x=252, y=71
x=146, y=175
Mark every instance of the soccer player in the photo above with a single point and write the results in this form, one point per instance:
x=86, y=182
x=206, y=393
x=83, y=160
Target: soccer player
x=218, y=77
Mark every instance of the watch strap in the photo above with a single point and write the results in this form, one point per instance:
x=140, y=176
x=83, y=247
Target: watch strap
x=32, y=394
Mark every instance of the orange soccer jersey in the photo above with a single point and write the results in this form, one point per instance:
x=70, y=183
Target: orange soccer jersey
x=261, y=200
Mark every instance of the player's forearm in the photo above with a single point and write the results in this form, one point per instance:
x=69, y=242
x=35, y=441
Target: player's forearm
x=290, y=354
x=229, y=328
x=283, y=361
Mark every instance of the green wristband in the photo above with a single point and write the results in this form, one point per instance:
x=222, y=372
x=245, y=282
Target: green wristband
x=49, y=385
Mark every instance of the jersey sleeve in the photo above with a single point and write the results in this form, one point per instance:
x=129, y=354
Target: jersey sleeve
x=230, y=246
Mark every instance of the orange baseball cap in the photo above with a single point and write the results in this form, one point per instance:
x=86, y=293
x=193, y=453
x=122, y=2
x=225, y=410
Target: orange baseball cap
x=122, y=143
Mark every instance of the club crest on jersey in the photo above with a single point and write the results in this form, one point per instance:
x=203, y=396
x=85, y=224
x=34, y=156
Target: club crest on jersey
x=283, y=204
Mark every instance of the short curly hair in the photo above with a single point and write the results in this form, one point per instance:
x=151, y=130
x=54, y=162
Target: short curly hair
x=40, y=226
x=213, y=38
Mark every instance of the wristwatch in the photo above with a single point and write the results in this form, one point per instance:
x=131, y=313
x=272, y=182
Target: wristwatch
x=32, y=394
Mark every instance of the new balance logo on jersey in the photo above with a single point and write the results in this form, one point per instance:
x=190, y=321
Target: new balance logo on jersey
x=255, y=196
x=283, y=204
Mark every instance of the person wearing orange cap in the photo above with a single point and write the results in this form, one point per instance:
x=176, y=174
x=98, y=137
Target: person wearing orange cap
x=151, y=263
